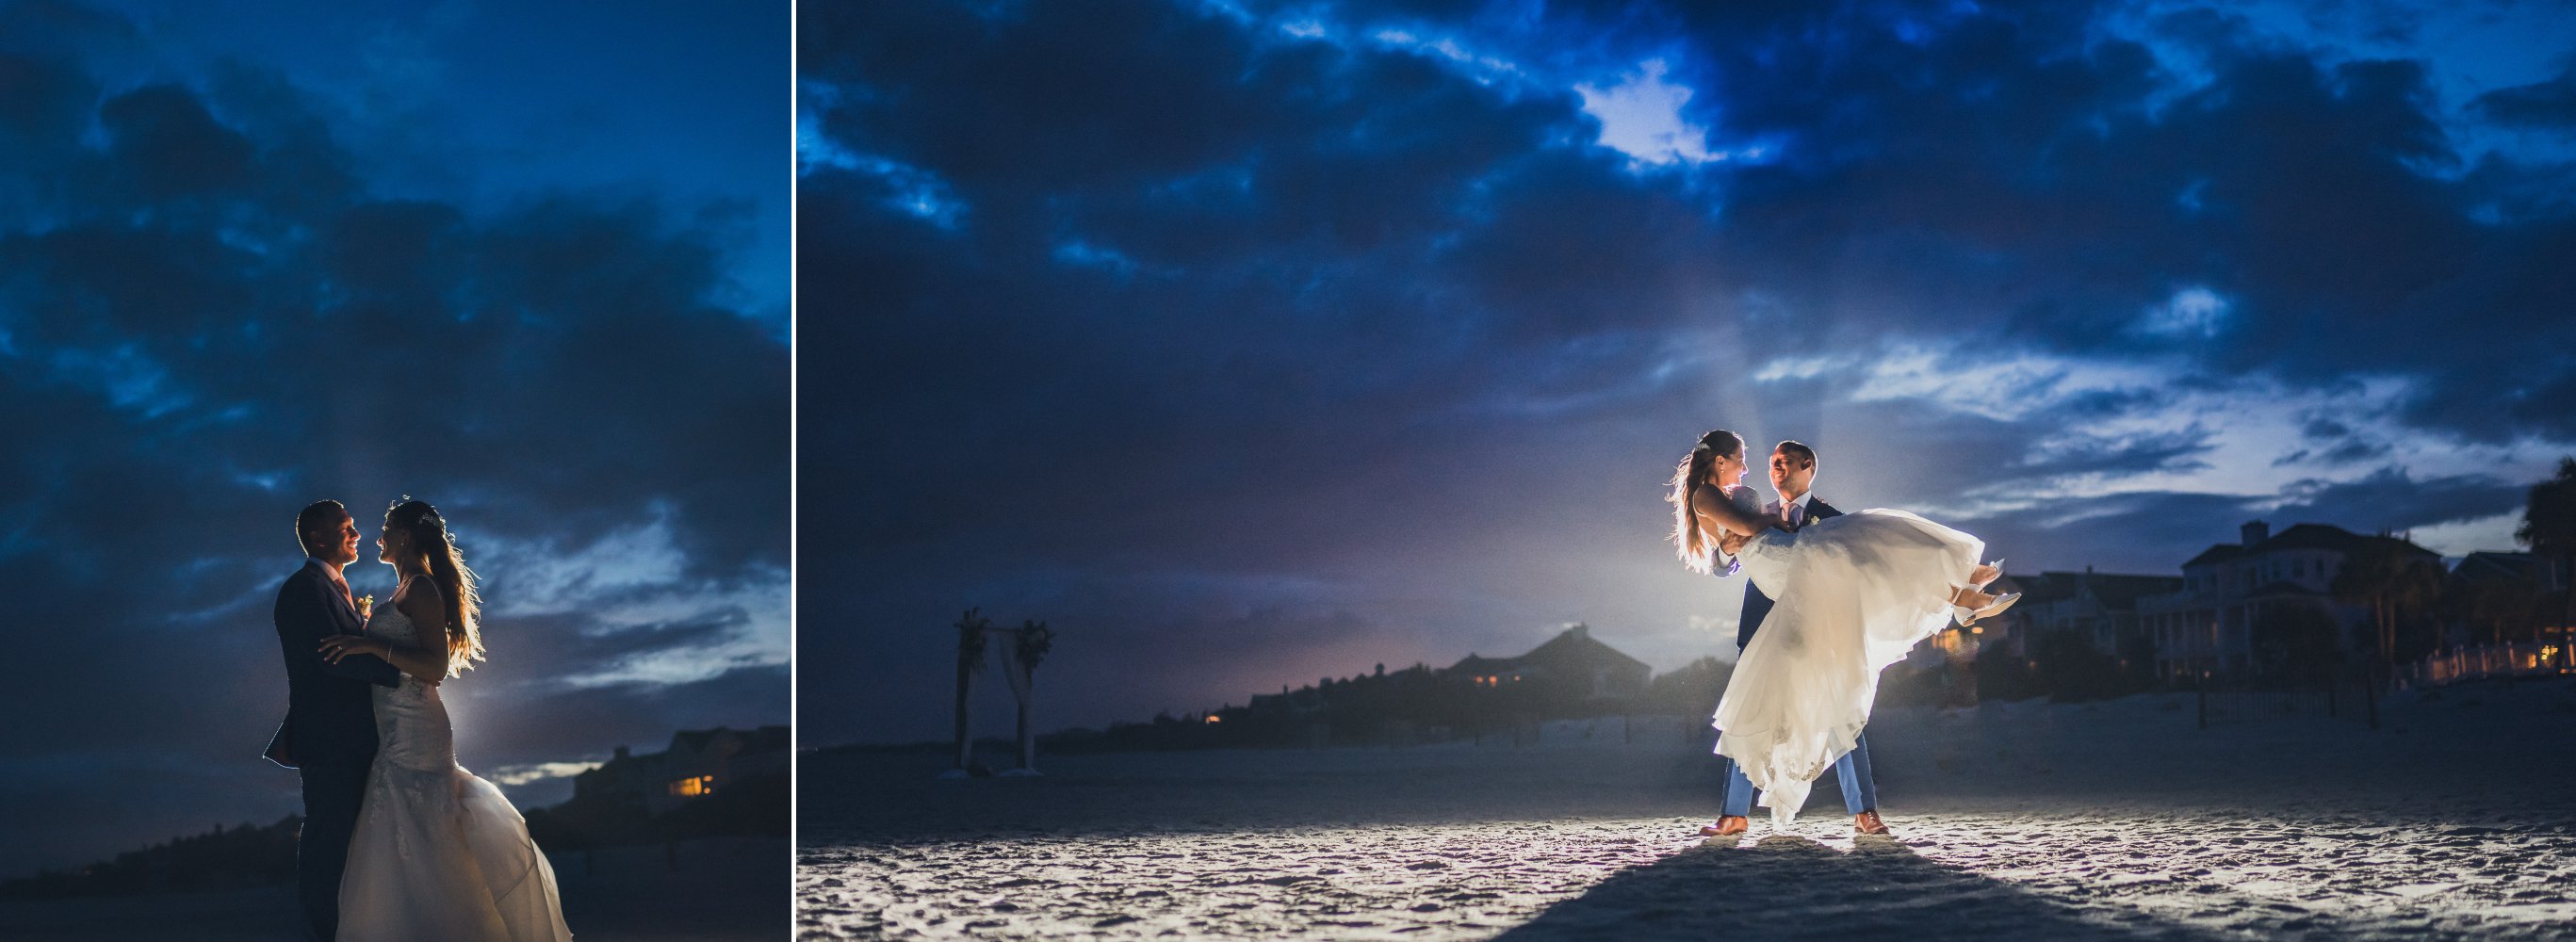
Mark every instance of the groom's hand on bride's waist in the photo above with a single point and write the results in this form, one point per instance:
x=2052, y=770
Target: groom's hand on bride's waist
x=335, y=648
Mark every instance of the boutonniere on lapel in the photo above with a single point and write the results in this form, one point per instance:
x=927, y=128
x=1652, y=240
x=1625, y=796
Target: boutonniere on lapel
x=366, y=606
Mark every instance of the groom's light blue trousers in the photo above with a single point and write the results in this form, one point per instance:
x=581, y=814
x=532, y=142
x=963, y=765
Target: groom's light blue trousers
x=1860, y=791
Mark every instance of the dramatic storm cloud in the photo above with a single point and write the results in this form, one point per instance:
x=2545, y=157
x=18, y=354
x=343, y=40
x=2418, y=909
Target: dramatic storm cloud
x=1249, y=343
x=239, y=272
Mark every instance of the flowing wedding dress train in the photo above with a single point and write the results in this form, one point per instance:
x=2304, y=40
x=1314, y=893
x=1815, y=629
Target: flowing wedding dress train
x=1856, y=592
x=439, y=855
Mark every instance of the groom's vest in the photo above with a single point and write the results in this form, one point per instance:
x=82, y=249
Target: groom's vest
x=1756, y=604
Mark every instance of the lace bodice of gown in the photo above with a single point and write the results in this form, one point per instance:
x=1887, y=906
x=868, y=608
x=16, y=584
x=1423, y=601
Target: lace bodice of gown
x=412, y=729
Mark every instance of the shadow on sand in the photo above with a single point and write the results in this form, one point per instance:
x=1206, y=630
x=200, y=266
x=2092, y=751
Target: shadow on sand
x=1792, y=887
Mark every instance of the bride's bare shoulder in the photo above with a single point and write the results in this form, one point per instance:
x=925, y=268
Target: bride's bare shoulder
x=420, y=593
x=1706, y=496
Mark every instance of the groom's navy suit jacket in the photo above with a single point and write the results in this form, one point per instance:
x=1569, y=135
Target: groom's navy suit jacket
x=1756, y=604
x=329, y=715
x=329, y=737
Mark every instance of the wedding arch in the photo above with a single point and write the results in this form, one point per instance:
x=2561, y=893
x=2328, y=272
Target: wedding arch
x=1018, y=654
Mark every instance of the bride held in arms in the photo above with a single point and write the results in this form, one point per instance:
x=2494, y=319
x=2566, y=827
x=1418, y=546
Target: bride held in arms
x=438, y=854
x=1856, y=592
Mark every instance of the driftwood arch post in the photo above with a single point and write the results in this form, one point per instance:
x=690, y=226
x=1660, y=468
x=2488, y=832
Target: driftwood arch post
x=1028, y=645
x=1020, y=653
x=971, y=629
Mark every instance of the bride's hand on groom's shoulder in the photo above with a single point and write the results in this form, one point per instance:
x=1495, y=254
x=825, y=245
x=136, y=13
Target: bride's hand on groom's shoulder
x=339, y=647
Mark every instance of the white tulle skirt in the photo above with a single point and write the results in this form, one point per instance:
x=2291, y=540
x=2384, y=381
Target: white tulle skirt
x=1856, y=592
x=439, y=854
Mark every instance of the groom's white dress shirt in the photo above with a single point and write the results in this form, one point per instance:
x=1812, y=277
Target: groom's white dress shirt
x=1796, y=513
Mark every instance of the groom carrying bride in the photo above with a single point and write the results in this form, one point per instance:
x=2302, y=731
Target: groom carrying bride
x=329, y=736
x=1793, y=473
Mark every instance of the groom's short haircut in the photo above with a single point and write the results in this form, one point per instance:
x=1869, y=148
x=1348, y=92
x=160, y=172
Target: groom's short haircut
x=315, y=516
x=1799, y=449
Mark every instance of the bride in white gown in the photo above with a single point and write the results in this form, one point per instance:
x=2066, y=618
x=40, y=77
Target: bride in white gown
x=1855, y=593
x=438, y=854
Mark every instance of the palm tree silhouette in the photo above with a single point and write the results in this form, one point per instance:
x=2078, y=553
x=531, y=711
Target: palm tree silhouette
x=2393, y=578
x=2549, y=528
x=970, y=658
x=1032, y=641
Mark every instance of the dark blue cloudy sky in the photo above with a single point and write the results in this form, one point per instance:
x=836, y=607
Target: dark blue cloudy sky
x=525, y=260
x=1253, y=342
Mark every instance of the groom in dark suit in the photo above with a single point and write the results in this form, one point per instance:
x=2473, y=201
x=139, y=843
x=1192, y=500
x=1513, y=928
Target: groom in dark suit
x=329, y=736
x=1793, y=471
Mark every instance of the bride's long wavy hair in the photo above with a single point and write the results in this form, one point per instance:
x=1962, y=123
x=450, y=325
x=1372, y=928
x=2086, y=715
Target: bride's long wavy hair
x=437, y=547
x=1689, y=541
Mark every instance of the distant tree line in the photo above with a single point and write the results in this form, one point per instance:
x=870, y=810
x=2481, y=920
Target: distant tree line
x=236, y=858
x=1409, y=706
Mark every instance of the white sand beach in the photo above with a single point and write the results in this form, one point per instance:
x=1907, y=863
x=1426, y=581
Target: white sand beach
x=2456, y=819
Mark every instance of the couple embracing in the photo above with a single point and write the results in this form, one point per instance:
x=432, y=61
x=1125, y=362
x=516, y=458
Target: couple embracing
x=399, y=842
x=1833, y=599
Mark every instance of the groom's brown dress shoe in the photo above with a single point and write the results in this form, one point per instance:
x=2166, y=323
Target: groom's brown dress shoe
x=1728, y=826
x=1867, y=822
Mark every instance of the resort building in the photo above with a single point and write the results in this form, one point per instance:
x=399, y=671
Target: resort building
x=2101, y=608
x=2207, y=625
x=698, y=763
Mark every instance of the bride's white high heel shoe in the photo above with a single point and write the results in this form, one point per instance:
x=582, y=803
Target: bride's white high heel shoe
x=1966, y=616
